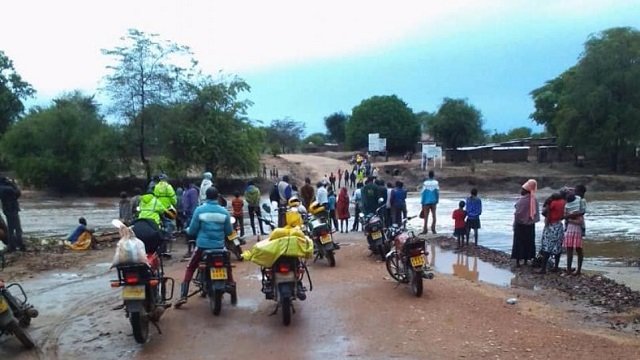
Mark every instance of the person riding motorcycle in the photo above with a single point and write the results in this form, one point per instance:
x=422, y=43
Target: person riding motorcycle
x=210, y=224
x=167, y=196
x=147, y=225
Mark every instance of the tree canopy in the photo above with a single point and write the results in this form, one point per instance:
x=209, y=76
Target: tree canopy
x=595, y=105
x=146, y=72
x=12, y=91
x=336, y=124
x=287, y=133
x=63, y=146
x=457, y=123
x=387, y=115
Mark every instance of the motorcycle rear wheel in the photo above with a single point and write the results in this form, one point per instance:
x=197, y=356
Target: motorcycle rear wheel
x=21, y=334
x=215, y=302
x=140, y=325
x=416, y=283
x=237, y=252
x=286, y=311
x=331, y=257
x=381, y=251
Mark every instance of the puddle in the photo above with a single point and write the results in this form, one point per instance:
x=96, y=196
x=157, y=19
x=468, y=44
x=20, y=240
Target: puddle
x=468, y=267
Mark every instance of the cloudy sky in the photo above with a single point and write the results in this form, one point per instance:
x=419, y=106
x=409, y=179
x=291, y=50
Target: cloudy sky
x=308, y=59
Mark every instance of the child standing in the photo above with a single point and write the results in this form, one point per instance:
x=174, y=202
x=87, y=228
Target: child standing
x=460, y=230
x=573, y=234
x=474, y=210
x=236, y=205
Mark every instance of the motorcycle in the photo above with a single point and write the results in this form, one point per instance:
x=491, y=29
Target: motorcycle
x=373, y=228
x=144, y=292
x=16, y=314
x=282, y=282
x=324, y=247
x=407, y=261
x=234, y=241
x=212, y=279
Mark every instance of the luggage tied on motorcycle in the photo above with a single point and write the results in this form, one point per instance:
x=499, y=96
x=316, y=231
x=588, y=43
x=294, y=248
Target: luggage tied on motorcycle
x=282, y=242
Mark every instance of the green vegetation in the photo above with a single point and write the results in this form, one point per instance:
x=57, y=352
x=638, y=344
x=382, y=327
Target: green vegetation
x=456, y=124
x=12, y=91
x=387, y=115
x=595, y=105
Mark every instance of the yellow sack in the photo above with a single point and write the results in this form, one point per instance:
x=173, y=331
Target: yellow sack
x=282, y=242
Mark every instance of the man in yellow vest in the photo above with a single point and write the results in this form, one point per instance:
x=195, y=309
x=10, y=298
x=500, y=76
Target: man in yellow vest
x=165, y=193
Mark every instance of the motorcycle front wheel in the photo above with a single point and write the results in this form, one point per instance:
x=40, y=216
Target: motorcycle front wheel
x=331, y=257
x=393, y=267
x=140, y=326
x=21, y=334
x=237, y=252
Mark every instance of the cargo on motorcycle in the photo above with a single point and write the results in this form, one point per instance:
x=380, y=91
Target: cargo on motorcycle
x=318, y=229
x=282, y=260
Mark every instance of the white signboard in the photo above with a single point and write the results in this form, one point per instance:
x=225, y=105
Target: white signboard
x=374, y=142
x=382, y=145
x=431, y=151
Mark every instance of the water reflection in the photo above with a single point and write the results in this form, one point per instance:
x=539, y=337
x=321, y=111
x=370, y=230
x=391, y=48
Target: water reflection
x=461, y=267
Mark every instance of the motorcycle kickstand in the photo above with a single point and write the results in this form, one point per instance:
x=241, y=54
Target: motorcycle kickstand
x=157, y=327
x=275, y=311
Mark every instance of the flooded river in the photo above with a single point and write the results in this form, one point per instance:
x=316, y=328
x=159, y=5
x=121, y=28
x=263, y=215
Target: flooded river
x=613, y=224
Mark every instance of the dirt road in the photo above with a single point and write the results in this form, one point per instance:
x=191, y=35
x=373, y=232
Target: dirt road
x=354, y=311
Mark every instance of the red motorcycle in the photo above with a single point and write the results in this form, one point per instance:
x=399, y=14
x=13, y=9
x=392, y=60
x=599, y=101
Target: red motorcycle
x=407, y=261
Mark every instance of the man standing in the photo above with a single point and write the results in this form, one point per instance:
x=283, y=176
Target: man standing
x=370, y=196
x=429, y=198
x=252, y=196
x=339, y=178
x=284, y=194
x=207, y=182
x=307, y=194
x=322, y=196
x=189, y=202
x=9, y=194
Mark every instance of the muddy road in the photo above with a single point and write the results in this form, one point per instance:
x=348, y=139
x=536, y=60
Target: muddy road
x=354, y=311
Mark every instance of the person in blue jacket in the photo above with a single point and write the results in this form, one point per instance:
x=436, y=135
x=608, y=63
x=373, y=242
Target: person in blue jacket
x=210, y=224
x=430, y=197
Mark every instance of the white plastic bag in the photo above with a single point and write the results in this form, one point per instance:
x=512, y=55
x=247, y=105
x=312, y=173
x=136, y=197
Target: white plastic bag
x=130, y=249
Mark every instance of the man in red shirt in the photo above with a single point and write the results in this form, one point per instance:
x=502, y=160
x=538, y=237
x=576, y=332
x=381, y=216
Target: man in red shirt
x=236, y=205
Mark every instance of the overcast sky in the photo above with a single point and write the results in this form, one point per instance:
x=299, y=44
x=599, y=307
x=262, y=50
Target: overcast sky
x=308, y=59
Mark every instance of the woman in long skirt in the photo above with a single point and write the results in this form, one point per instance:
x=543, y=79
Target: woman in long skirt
x=526, y=215
x=553, y=232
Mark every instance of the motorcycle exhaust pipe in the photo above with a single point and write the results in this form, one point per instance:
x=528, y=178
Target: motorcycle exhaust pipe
x=428, y=275
x=32, y=313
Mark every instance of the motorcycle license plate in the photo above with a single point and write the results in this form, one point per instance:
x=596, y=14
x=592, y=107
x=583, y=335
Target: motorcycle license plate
x=236, y=241
x=324, y=239
x=417, y=261
x=133, y=292
x=4, y=306
x=218, y=273
x=376, y=235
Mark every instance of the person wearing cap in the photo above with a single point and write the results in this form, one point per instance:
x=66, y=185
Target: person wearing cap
x=252, y=196
x=207, y=182
x=527, y=214
x=210, y=224
x=284, y=194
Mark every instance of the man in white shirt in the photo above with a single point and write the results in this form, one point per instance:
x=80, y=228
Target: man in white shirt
x=322, y=195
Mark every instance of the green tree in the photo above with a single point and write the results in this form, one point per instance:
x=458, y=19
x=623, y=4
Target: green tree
x=146, y=72
x=425, y=119
x=457, y=123
x=12, y=91
x=211, y=131
x=598, y=100
x=315, y=139
x=387, y=115
x=63, y=147
x=336, y=124
x=287, y=133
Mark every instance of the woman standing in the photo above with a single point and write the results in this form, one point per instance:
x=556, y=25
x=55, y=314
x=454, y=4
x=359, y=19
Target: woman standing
x=525, y=217
x=342, y=208
x=553, y=233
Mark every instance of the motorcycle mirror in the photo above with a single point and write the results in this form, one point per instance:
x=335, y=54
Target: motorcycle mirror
x=233, y=220
x=266, y=208
x=380, y=200
x=361, y=215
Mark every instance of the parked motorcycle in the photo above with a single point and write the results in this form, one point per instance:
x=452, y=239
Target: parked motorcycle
x=373, y=228
x=234, y=240
x=16, y=313
x=323, y=245
x=144, y=292
x=212, y=279
x=282, y=282
x=407, y=261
